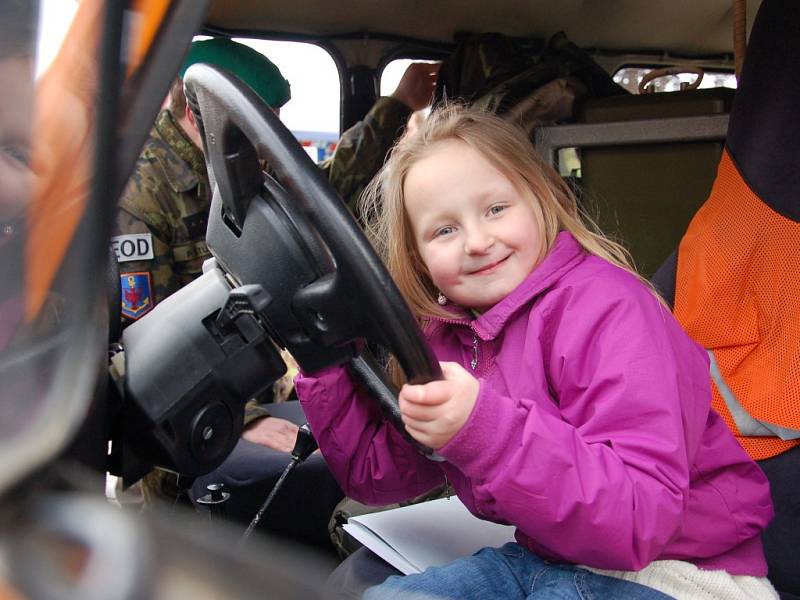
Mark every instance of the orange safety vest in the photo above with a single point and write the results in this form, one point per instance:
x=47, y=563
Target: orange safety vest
x=738, y=294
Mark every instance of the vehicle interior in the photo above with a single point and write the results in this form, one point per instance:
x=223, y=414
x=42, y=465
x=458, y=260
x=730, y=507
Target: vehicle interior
x=618, y=159
x=616, y=147
x=629, y=101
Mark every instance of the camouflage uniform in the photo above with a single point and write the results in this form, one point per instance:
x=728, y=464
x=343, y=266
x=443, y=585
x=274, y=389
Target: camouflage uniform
x=527, y=85
x=362, y=149
x=167, y=201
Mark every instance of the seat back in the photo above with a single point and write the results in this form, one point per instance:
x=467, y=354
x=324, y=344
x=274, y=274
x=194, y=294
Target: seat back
x=644, y=193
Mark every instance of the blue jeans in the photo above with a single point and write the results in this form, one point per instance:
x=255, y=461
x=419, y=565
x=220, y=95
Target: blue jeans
x=510, y=573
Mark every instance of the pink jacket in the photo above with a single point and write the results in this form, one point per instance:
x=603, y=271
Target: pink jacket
x=592, y=432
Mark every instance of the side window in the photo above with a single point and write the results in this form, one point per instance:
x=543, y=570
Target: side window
x=390, y=77
x=313, y=112
x=631, y=77
x=392, y=72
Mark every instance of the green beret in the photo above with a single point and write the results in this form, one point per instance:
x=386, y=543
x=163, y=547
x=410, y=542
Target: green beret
x=252, y=67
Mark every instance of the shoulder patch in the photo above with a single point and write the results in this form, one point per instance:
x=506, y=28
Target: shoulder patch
x=137, y=294
x=133, y=246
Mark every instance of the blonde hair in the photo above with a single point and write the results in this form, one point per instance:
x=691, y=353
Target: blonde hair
x=508, y=149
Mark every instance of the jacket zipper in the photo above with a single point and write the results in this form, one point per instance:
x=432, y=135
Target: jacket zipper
x=475, y=341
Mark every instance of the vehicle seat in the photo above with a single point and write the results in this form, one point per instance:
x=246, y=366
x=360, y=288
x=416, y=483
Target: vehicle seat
x=644, y=193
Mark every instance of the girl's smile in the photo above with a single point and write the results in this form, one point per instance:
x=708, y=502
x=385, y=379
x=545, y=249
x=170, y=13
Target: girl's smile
x=489, y=268
x=477, y=234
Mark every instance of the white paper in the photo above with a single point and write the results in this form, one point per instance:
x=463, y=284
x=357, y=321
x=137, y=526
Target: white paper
x=379, y=547
x=413, y=538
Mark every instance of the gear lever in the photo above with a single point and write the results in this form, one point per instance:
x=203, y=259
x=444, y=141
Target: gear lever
x=304, y=446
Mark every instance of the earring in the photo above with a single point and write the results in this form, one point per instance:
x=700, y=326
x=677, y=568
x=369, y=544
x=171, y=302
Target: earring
x=441, y=299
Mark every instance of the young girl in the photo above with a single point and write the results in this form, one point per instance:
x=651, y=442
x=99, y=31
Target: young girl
x=573, y=406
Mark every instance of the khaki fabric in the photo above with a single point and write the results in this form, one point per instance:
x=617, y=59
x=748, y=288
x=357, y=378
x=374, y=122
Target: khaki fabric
x=345, y=545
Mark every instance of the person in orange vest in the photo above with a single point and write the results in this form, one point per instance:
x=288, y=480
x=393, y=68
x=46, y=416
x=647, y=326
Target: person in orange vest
x=737, y=276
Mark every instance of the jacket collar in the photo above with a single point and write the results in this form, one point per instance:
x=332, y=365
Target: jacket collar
x=563, y=256
x=185, y=174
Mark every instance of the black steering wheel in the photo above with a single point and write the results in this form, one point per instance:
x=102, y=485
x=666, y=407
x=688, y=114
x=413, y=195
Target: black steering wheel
x=322, y=287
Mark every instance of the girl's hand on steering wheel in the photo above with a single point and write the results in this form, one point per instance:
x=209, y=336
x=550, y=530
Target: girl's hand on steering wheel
x=435, y=412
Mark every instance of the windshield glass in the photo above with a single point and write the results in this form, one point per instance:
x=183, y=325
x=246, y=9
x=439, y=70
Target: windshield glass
x=49, y=329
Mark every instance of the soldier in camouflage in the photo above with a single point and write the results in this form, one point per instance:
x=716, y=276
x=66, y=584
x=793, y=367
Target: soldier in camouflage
x=162, y=218
x=163, y=214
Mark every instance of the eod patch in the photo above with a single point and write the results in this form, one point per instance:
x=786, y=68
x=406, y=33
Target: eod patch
x=133, y=246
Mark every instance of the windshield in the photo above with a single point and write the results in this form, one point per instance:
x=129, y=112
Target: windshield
x=50, y=324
